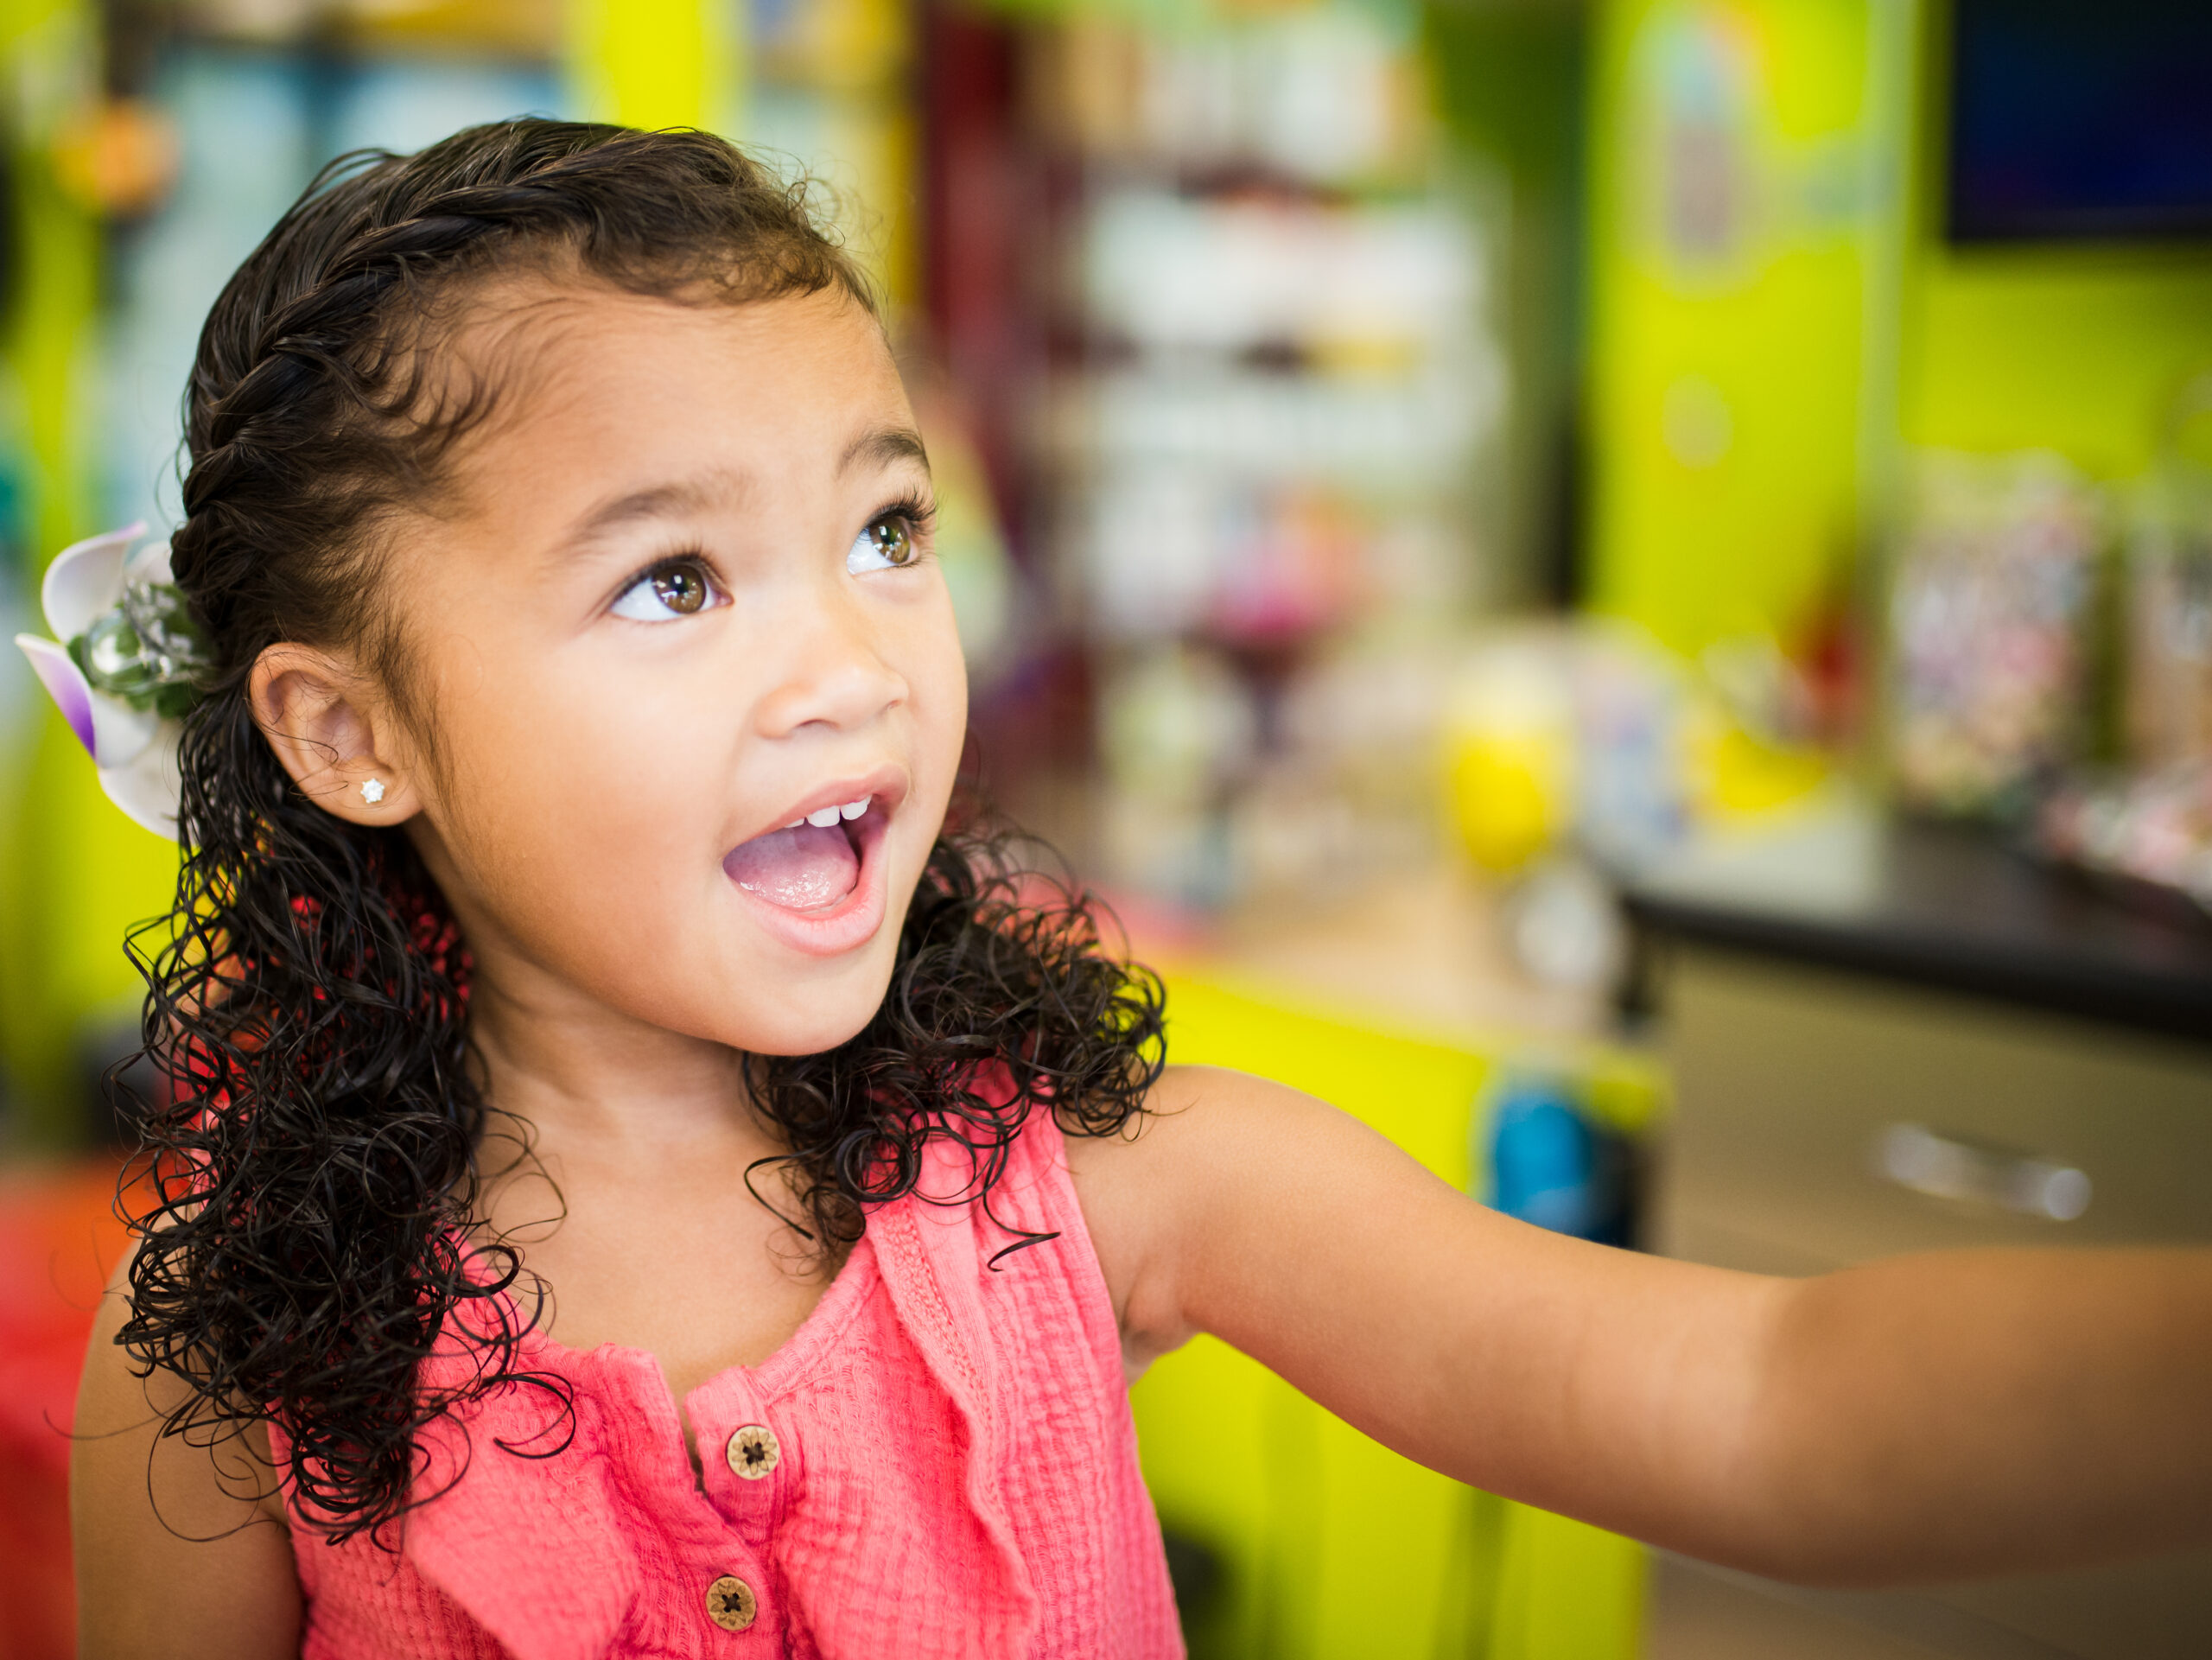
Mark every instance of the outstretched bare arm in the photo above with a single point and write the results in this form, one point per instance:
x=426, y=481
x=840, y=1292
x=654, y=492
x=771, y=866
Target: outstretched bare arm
x=1925, y=1418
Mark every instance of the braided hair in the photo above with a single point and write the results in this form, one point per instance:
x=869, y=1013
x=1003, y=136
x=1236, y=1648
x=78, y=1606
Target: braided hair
x=309, y=1218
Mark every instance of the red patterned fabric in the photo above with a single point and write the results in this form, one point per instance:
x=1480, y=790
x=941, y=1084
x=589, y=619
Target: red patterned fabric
x=957, y=1476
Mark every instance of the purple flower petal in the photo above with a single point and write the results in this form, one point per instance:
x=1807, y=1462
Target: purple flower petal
x=64, y=682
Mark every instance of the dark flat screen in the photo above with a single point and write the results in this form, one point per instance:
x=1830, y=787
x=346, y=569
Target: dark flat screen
x=2078, y=120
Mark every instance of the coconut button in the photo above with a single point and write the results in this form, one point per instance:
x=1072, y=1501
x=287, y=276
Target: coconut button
x=731, y=1603
x=752, y=1452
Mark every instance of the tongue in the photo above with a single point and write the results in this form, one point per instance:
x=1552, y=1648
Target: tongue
x=801, y=869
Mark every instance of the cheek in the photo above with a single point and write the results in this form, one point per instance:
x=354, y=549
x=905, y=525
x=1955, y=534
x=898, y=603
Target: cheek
x=584, y=754
x=584, y=810
x=939, y=676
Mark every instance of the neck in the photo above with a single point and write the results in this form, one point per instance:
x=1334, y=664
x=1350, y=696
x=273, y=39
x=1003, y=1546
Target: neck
x=597, y=1081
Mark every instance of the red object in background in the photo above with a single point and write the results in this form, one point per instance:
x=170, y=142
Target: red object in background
x=59, y=1239
x=1831, y=654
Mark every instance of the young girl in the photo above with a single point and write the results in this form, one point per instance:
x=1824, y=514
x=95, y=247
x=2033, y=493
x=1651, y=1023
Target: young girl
x=633, y=1180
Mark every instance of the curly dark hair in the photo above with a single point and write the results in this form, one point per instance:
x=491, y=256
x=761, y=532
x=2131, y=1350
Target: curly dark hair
x=307, y=1218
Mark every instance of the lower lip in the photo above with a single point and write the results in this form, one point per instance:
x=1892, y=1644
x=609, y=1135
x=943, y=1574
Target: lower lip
x=852, y=921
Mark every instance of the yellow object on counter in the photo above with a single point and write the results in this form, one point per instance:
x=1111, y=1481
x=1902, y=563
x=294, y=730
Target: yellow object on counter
x=1737, y=775
x=1508, y=738
x=1508, y=798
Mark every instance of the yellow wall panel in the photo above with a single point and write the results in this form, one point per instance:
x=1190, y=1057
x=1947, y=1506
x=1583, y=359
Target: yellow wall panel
x=1734, y=203
x=1335, y=1548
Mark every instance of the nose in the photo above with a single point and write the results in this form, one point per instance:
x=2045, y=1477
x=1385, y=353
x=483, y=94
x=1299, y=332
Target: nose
x=830, y=671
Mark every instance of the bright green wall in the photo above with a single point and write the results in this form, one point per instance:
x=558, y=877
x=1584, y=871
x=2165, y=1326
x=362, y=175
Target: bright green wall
x=2076, y=350
x=1726, y=371
x=653, y=63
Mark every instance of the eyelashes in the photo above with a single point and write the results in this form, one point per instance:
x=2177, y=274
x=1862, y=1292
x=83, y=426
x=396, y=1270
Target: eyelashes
x=915, y=508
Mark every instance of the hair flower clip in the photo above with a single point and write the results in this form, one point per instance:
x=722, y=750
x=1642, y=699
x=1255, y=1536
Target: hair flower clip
x=130, y=667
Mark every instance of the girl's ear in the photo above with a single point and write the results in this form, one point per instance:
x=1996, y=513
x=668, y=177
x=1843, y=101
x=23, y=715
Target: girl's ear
x=337, y=739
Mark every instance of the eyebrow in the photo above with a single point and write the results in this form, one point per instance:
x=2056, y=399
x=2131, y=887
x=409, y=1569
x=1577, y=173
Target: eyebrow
x=884, y=446
x=671, y=501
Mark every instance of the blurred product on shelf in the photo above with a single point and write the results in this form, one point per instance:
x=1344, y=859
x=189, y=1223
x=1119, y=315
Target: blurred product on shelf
x=2151, y=822
x=2153, y=828
x=1328, y=94
x=118, y=157
x=1270, y=377
x=1562, y=922
x=1992, y=611
x=522, y=28
x=1574, y=754
x=1510, y=732
x=2169, y=594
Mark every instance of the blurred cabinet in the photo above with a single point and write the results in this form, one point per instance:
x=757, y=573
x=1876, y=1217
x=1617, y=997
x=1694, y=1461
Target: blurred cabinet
x=1825, y=1116
x=1295, y=1536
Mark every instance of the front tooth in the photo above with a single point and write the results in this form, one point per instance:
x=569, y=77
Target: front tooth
x=854, y=809
x=795, y=823
x=823, y=817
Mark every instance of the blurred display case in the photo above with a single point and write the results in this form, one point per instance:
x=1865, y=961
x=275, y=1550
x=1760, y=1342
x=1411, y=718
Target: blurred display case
x=1258, y=382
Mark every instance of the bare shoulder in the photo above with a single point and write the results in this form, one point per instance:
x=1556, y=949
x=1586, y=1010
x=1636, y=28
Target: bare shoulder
x=1194, y=1115
x=1212, y=1143
x=181, y=1548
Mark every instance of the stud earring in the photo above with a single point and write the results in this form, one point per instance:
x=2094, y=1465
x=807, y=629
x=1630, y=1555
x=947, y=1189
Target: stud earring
x=372, y=792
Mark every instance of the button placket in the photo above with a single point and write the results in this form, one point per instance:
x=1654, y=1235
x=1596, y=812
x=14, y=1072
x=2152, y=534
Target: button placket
x=757, y=1461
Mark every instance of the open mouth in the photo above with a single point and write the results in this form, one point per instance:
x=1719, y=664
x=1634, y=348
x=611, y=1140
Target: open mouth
x=812, y=864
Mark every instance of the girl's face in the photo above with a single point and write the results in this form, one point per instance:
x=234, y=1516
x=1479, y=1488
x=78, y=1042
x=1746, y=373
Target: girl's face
x=684, y=600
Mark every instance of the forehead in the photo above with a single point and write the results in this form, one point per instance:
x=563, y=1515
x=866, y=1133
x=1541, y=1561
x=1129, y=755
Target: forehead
x=581, y=374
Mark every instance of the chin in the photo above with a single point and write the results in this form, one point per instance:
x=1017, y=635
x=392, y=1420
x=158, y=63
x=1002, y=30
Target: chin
x=810, y=1017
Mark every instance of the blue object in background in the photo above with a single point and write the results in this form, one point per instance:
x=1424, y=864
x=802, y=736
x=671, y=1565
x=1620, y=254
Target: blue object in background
x=406, y=102
x=1550, y=1163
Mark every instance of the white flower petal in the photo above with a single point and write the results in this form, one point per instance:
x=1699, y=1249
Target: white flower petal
x=150, y=564
x=147, y=789
x=120, y=733
x=86, y=579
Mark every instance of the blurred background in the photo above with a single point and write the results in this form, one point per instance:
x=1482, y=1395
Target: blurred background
x=1622, y=587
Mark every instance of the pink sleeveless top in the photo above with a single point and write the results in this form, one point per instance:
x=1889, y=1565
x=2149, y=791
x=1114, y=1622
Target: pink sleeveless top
x=940, y=1462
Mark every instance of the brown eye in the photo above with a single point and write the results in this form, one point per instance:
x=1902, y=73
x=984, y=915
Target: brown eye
x=675, y=590
x=886, y=544
x=680, y=588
